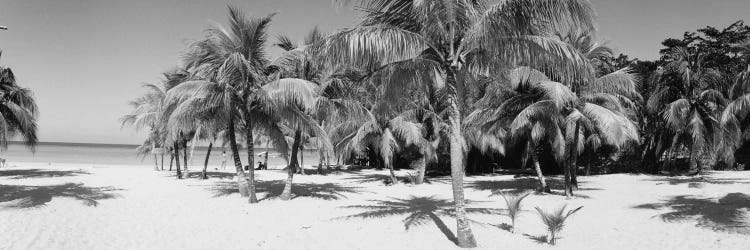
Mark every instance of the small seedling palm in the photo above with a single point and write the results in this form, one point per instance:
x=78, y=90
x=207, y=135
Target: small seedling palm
x=514, y=207
x=555, y=220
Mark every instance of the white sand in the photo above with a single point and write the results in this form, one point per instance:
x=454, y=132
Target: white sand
x=152, y=210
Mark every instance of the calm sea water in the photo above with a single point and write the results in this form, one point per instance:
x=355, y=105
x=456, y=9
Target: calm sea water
x=99, y=154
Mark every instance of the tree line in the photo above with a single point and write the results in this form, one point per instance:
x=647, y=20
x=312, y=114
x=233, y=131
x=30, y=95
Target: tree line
x=460, y=86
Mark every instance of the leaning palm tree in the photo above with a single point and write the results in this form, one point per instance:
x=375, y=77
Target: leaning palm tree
x=447, y=41
x=18, y=111
x=689, y=104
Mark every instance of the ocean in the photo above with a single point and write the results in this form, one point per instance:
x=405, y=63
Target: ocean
x=107, y=154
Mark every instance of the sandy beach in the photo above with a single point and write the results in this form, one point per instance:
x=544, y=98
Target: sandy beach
x=77, y=206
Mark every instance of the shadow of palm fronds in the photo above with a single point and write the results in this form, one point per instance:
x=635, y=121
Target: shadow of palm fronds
x=39, y=173
x=700, y=181
x=35, y=196
x=365, y=178
x=418, y=211
x=539, y=239
x=325, y=191
x=211, y=175
x=730, y=213
x=520, y=185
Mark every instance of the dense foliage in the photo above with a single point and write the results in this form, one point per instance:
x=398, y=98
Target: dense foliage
x=458, y=86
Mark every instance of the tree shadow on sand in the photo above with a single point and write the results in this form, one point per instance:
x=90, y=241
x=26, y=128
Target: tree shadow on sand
x=701, y=181
x=730, y=213
x=212, y=175
x=35, y=196
x=538, y=239
x=525, y=184
x=386, y=179
x=418, y=211
x=39, y=173
x=325, y=191
x=366, y=178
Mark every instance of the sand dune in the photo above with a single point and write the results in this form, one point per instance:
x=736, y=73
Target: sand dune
x=74, y=206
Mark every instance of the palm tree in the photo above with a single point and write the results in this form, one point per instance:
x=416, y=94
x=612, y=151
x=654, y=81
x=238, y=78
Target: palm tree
x=615, y=92
x=147, y=111
x=331, y=105
x=734, y=118
x=689, y=104
x=18, y=111
x=230, y=64
x=539, y=113
x=447, y=41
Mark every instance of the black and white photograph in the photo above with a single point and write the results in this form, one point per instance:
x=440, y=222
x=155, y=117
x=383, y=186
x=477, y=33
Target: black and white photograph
x=374, y=124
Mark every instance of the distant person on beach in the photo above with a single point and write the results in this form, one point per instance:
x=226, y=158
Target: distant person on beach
x=223, y=159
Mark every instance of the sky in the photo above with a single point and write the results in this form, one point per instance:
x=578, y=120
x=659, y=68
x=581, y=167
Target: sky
x=85, y=59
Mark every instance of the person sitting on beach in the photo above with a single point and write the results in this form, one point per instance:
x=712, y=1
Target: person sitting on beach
x=261, y=166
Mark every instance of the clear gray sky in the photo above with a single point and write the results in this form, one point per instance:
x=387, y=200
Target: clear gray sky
x=85, y=59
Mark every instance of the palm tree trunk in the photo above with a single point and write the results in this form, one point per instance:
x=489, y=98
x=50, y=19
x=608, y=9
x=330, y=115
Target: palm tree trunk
x=156, y=162
x=250, y=158
x=573, y=167
x=464, y=233
x=205, y=163
x=542, y=183
x=421, y=168
x=287, y=193
x=185, y=155
x=177, y=159
x=693, y=160
x=301, y=160
x=589, y=161
x=192, y=145
x=268, y=151
x=241, y=178
x=389, y=164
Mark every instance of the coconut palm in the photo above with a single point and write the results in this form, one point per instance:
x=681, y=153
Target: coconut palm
x=18, y=111
x=385, y=137
x=229, y=66
x=446, y=41
x=331, y=106
x=615, y=91
x=147, y=111
x=539, y=113
x=689, y=104
x=734, y=118
x=555, y=221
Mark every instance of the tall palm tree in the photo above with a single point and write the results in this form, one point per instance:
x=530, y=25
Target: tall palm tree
x=689, y=104
x=231, y=65
x=18, y=111
x=447, y=41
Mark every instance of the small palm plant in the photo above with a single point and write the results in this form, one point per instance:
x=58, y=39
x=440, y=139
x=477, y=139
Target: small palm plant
x=514, y=207
x=555, y=220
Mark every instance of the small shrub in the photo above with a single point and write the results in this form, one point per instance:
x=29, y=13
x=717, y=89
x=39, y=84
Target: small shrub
x=514, y=207
x=555, y=221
